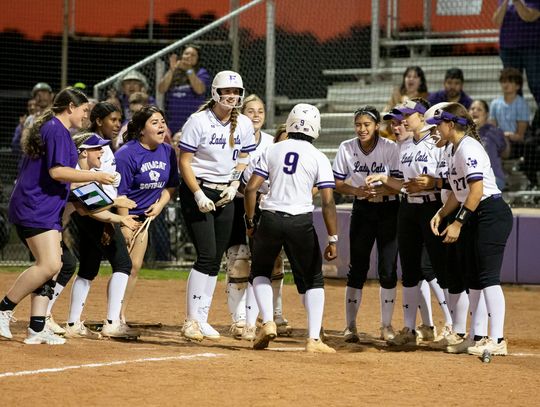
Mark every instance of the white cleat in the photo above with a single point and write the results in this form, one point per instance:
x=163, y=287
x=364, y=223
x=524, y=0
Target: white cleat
x=46, y=337
x=209, y=332
x=53, y=326
x=5, y=318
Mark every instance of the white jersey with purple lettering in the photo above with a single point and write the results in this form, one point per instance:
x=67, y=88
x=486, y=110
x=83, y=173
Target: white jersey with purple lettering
x=470, y=162
x=443, y=170
x=293, y=168
x=207, y=138
x=354, y=163
x=108, y=164
x=265, y=141
x=419, y=157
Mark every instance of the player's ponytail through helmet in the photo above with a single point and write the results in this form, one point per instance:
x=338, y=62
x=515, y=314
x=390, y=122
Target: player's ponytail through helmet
x=459, y=110
x=138, y=122
x=31, y=142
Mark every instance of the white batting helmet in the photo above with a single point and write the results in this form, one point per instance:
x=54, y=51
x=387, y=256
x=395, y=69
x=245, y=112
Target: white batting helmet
x=227, y=79
x=304, y=119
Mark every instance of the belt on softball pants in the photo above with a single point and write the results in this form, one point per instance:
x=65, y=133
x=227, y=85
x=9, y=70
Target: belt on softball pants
x=422, y=198
x=212, y=185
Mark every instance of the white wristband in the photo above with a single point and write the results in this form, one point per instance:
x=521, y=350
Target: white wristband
x=333, y=239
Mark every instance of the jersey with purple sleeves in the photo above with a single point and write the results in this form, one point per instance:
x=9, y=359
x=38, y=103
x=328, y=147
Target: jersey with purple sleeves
x=37, y=200
x=354, y=163
x=293, y=168
x=470, y=162
x=265, y=141
x=145, y=173
x=419, y=157
x=207, y=138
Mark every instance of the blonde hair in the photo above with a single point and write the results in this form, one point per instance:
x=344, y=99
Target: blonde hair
x=459, y=110
x=252, y=98
x=282, y=128
x=80, y=137
x=233, y=119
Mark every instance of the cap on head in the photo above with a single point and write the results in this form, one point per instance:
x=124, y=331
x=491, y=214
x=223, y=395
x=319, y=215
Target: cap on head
x=393, y=115
x=410, y=107
x=227, y=79
x=94, y=141
x=430, y=113
x=305, y=119
x=41, y=86
x=79, y=85
x=135, y=75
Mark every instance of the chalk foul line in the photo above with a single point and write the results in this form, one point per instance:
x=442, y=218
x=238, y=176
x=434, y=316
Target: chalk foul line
x=105, y=364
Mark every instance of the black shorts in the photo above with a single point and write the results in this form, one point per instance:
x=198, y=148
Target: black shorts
x=27, y=232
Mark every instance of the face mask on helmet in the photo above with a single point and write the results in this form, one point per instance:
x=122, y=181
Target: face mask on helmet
x=304, y=119
x=224, y=80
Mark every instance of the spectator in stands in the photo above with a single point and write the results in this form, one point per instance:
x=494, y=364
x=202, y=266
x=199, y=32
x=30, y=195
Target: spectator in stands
x=496, y=145
x=453, y=89
x=510, y=112
x=412, y=85
x=132, y=82
x=184, y=86
x=519, y=39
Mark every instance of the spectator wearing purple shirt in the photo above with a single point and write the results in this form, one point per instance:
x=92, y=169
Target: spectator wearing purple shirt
x=519, y=39
x=184, y=85
x=149, y=171
x=36, y=205
x=496, y=145
x=453, y=89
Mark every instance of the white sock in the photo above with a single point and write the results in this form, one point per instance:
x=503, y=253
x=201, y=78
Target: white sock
x=194, y=294
x=496, y=307
x=441, y=298
x=79, y=293
x=252, y=308
x=410, y=305
x=263, y=293
x=353, y=299
x=478, y=312
x=277, y=290
x=387, y=297
x=459, y=307
x=206, y=300
x=315, y=309
x=58, y=288
x=116, y=291
x=424, y=303
x=236, y=300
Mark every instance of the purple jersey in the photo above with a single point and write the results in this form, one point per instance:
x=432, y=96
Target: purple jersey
x=37, y=200
x=182, y=101
x=145, y=173
x=516, y=33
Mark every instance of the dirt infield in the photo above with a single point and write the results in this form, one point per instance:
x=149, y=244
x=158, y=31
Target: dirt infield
x=163, y=369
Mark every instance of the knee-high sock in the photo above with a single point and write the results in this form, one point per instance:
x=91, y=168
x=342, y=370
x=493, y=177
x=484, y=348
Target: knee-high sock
x=315, y=309
x=195, y=292
x=387, y=297
x=263, y=293
x=478, y=312
x=58, y=288
x=206, y=301
x=424, y=302
x=353, y=299
x=116, y=291
x=79, y=293
x=410, y=304
x=496, y=308
x=459, y=307
x=277, y=290
x=441, y=298
x=252, y=308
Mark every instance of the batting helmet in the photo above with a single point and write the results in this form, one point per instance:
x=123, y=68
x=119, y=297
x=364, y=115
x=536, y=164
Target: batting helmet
x=304, y=119
x=227, y=79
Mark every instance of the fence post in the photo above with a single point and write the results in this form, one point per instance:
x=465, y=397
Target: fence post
x=270, y=62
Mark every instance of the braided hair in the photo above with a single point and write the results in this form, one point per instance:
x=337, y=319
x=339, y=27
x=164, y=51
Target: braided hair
x=32, y=142
x=233, y=119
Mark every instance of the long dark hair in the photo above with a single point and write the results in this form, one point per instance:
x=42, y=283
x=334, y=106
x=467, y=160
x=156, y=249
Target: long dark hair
x=100, y=111
x=32, y=143
x=138, y=121
x=422, y=89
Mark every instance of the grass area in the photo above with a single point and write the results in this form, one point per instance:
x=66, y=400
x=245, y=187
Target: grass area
x=148, y=274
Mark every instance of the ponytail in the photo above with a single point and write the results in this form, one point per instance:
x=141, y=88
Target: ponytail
x=234, y=123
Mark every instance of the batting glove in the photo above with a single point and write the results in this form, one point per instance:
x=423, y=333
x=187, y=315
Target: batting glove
x=204, y=203
x=228, y=194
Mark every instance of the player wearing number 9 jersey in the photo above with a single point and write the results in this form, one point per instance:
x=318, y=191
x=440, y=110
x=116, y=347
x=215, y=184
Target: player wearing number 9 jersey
x=214, y=149
x=482, y=224
x=293, y=167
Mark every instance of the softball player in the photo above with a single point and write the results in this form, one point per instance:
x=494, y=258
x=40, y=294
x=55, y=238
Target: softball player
x=293, y=168
x=149, y=170
x=417, y=157
x=373, y=217
x=483, y=219
x=36, y=204
x=214, y=149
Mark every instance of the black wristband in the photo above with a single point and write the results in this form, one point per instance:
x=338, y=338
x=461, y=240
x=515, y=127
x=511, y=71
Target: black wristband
x=250, y=224
x=463, y=215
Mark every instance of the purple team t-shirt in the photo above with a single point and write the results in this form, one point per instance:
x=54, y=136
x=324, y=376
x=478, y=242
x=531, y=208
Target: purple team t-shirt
x=37, y=200
x=516, y=33
x=145, y=173
x=182, y=101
